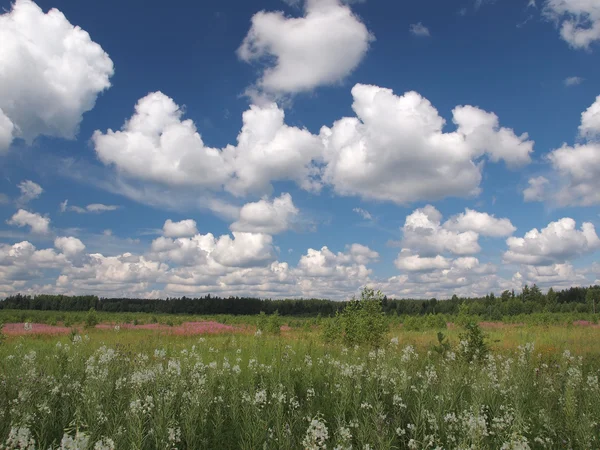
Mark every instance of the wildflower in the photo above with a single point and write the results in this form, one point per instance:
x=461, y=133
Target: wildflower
x=20, y=438
x=316, y=434
x=105, y=444
x=77, y=442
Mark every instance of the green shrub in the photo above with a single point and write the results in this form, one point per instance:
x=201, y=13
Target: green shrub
x=91, y=318
x=363, y=321
x=473, y=343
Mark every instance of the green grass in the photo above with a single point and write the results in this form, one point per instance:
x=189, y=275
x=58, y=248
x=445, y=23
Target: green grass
x=146, y=390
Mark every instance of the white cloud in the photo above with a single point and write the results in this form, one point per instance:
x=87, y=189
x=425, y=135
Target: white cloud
x=38, y=224
x=590, y=121
x=536, y=192
x=557, y=243
x=6, y=131
x=363, y=213
x=269, y=150
x=579, y=20
x=51, y=74
x=320, y=48
x=573, y=81
x=482, y=223
x=557, y=276
x=244, y=250
x=156, y=145
x=418, y=29
x=269, y=217
x=183, y=228
x=29, y=191
x=415, y=263
x=395, y=148
x=424, y=234
x=578, y=166
x=99, y=207
x=70, y=246
x=91, y=208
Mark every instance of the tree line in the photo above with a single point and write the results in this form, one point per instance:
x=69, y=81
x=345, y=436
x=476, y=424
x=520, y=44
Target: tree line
x=529, y=300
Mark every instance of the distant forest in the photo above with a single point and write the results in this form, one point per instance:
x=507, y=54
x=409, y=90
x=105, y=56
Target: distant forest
x=509, y=303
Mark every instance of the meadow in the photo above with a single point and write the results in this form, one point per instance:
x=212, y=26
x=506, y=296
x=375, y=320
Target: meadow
x=142, y=381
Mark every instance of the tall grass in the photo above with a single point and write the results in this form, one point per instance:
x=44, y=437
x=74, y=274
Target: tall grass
x=142, y=390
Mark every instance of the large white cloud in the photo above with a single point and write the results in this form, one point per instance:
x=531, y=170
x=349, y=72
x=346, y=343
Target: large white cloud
x=269, y=217
x=576, y=168
x=156, y=144
x=579, y=20
x=183, y=228
x=301, y=53
x=38, y=224
x=70, y=246
x=482, y=223
x=51, y=74
x=395, y=149
x=423, y=233
x=557, y=243
x=269, y=150
x=415, y=263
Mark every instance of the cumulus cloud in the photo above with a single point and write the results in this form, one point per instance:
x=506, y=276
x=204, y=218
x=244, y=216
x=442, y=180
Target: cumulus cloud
x=52, y=73
x=557, y=243
x=424, y=233
x=301, y=53
x=269, y=150
x=155, y=144
x=36, y=222
x=269, y=217
x=579, y=20
x=395, y=149
x=590, y=120
x=29, y=191
x=244, y=250
x=536, y=192
x=406, y=260
x=482, y=223
x=557, y=276
x=577, y=167
x=69, y=246
x=183, y=228
x=418, y=29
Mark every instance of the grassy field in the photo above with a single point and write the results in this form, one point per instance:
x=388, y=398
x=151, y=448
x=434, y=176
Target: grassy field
x=129, y=388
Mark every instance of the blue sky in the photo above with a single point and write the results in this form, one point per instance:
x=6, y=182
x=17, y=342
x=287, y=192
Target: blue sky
x=299, y=148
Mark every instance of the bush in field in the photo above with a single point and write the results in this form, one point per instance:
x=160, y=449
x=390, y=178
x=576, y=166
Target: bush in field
x=2, y=337
x=443, y=345
x=273, y=325
x=91, y=318
x=472, y=343
x=332, y=329
x=363, y=321
x=262, y=322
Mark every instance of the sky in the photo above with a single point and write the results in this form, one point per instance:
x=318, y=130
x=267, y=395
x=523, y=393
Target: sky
x=298, y=148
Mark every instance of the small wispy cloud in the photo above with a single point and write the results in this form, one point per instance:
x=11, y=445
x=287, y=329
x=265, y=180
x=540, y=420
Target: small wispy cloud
x=29, y=191
x=91, y=208
x=418, y=29
x=573, y=81
x=363, y=213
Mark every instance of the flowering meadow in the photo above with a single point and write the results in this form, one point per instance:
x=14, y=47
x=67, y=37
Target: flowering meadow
x=127, y=389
